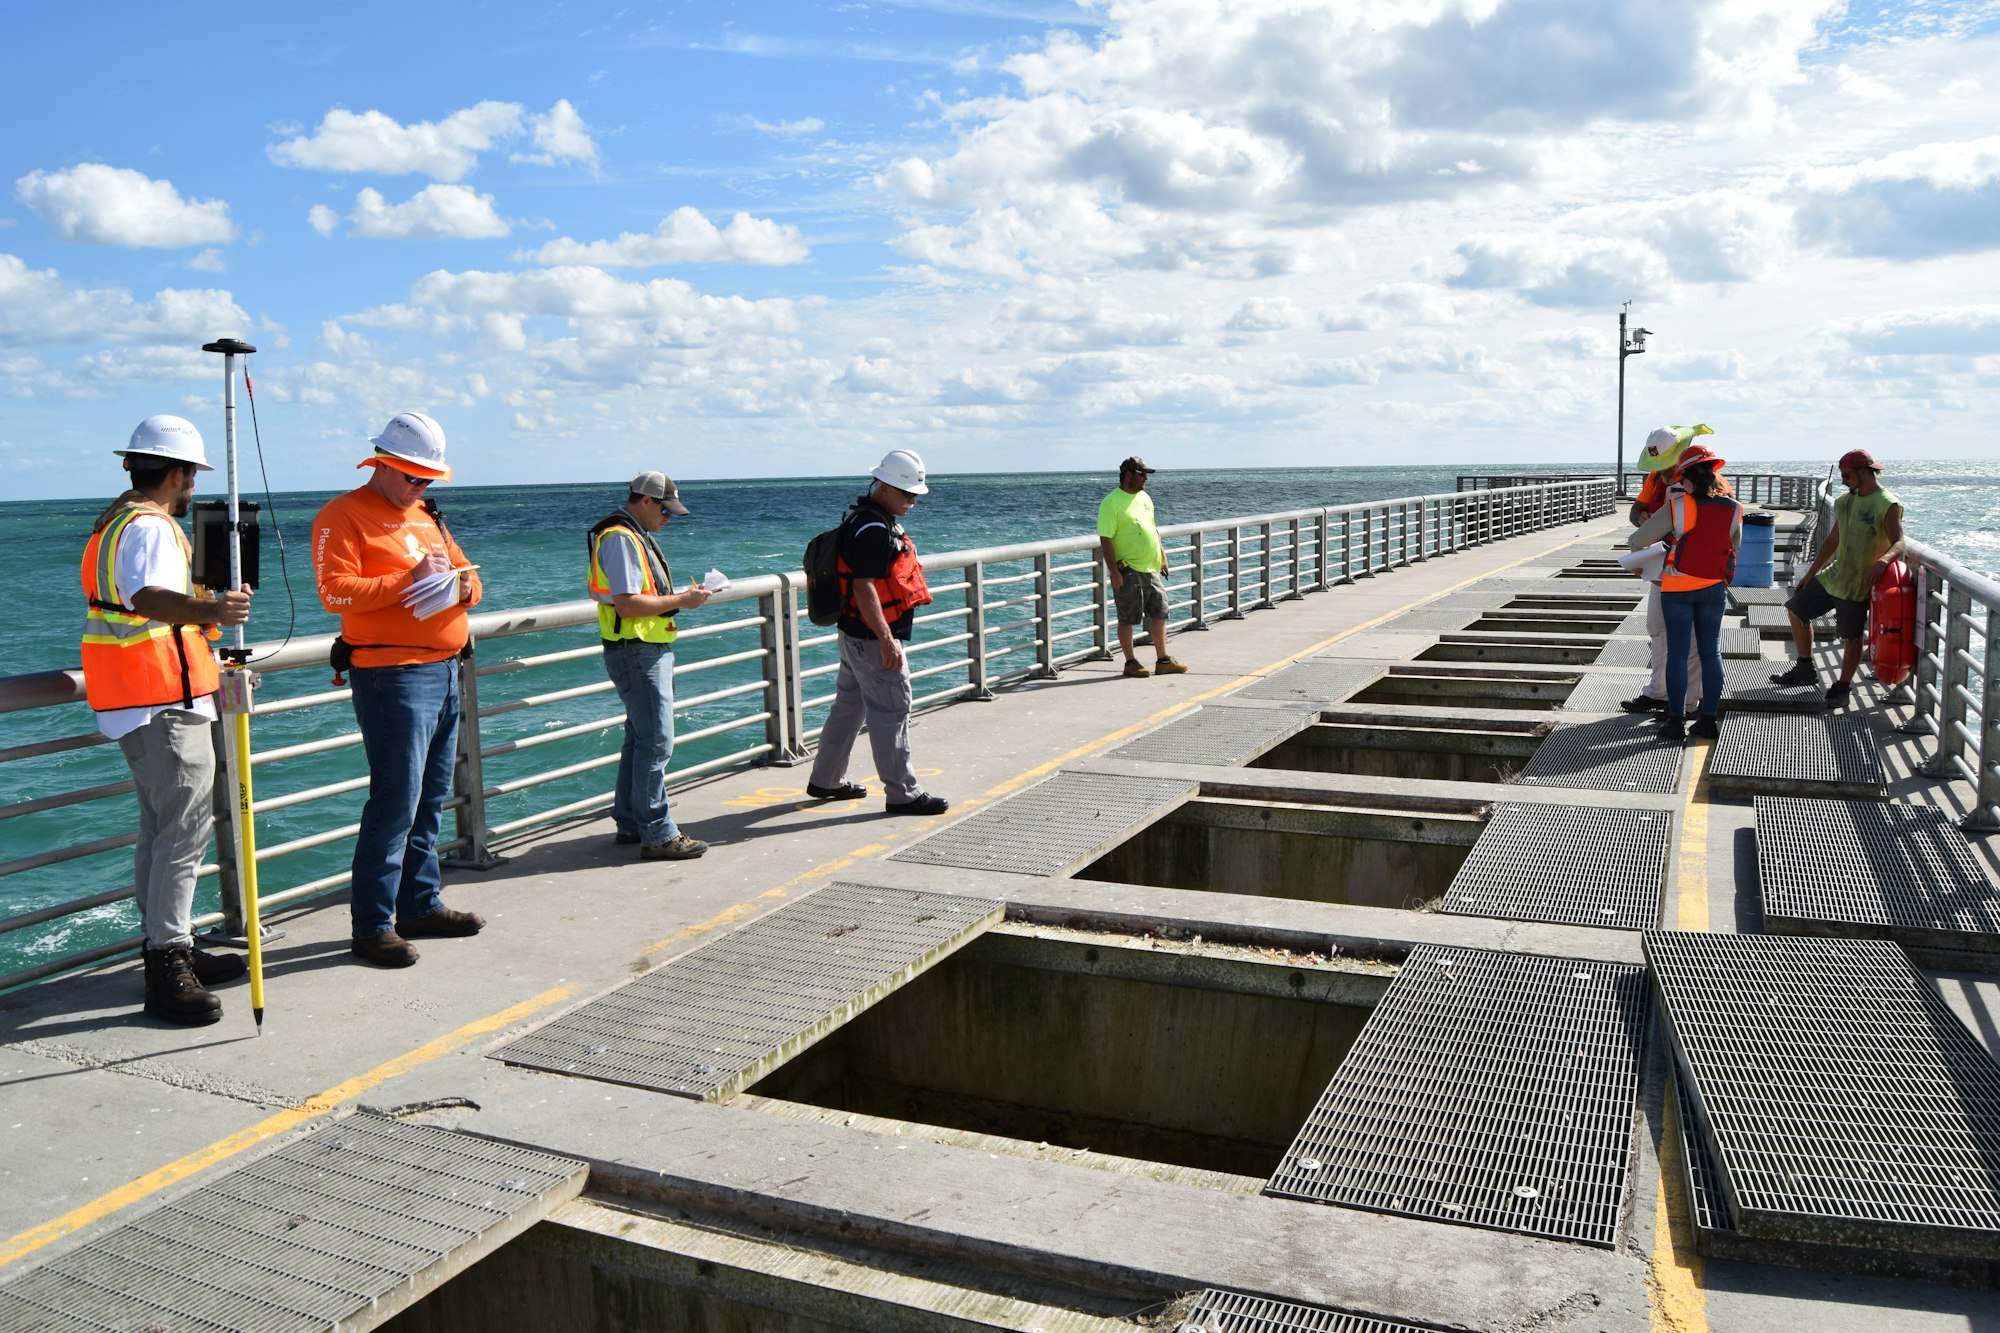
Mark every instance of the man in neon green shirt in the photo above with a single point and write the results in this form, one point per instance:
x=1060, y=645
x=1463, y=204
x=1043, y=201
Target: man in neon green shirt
x=1138, y=565
x=1867, y=535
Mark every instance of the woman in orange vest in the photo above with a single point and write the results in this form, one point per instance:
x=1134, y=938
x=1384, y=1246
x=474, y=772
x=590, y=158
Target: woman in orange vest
x=1702, y=527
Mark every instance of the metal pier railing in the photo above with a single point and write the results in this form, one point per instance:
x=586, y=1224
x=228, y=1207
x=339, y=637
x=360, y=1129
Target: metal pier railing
x=752, y=680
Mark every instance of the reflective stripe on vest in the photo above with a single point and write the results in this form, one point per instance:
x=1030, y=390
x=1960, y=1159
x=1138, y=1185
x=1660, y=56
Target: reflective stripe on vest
x=653, y=576
x=1701, y=554
x=130, y=661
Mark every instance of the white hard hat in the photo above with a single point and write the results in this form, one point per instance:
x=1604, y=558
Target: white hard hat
x=168, y=437
x=902, y=469
x=412, y=443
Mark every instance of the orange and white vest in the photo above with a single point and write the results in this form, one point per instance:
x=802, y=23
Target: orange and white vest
x=130, y=661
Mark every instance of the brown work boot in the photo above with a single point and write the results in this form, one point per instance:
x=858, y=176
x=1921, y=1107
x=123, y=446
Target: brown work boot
x=1167, y=666
x=1134, y=670
x=441, y=924
x=173, y=994
x=212, y=969
x=385, y=950
x=680, y=847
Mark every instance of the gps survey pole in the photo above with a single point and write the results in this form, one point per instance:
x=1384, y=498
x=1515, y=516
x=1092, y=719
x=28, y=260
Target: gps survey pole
x=235, y=693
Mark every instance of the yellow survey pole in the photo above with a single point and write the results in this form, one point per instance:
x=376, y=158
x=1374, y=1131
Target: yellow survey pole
x=236, y=683
x=235, y=695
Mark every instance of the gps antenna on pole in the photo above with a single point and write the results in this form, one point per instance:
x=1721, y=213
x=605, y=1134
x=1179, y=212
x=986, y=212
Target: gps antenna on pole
x=235, y=694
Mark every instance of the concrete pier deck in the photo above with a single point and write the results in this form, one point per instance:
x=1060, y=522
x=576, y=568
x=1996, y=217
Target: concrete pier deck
x=107, y=1114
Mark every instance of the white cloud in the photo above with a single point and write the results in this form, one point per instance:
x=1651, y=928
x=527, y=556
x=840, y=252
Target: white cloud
x=436, y=211
x=560, y=136
x=101, y=205
x=684, y=236
x=323, y=219
x=1968, y=332
x=790, y=129
x=209, y=261
x=445, y=150
x=1920, y=203
x=1266, y=314
x=37, y=307
x=1394, y=305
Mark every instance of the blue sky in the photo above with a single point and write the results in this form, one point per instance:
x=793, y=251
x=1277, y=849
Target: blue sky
x=776, y=239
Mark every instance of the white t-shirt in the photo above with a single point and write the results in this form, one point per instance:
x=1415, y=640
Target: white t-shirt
x=149, y=556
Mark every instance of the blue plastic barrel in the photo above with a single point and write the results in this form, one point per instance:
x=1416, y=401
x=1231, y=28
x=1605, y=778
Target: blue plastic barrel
x=1754, y=557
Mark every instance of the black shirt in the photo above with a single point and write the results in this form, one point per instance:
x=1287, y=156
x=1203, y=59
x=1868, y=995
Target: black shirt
x=870, y=541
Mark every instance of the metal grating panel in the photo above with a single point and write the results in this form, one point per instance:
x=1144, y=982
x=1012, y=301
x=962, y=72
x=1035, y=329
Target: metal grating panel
x=1748, y=685
x=1317, y=680
x=1788, y=754
x=1216, y=735
x=1770, y=622
x=1627, y=652
x=1051, y=826
x=1567, y=863
x=1493, y=1089
x=1612, y=754
x=709, y=1023
x=1848, y=1105
x=1710, y=1210
x=368, y=1204
x=1603, y=691
x=1739, y=642
x=1233, y=1312
x=1884, y=871
x=1742, y=598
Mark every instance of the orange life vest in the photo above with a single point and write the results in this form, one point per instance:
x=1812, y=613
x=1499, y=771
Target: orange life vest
x=903, y=589
x=130, y=661
x=1702, y=553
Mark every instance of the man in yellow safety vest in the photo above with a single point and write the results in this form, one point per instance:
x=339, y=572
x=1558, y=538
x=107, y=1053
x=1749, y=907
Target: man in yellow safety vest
x=151, y=678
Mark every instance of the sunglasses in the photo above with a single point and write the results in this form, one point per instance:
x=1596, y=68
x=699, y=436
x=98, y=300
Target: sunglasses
x=418, y=482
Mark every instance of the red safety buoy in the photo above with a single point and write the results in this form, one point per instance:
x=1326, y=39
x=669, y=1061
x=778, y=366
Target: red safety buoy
x=1892, y=625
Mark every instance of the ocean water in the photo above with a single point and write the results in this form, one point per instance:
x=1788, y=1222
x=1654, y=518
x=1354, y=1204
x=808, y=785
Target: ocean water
x=528, y=541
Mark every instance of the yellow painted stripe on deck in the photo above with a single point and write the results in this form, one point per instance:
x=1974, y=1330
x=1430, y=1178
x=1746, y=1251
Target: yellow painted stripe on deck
x=291, y=1118
x=321, y=1103
x=1674, y=1285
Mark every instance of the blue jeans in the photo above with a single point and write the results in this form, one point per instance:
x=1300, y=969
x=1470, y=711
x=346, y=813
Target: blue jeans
x=409, y=728
x=644, y=676
x=1695, y=616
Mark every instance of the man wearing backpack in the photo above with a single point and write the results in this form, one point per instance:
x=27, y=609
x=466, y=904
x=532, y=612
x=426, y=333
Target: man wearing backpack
x=636, y=602
x=881, y=584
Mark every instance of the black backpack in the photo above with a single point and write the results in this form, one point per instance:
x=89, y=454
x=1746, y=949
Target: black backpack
x=824, y=596
x=823, y=577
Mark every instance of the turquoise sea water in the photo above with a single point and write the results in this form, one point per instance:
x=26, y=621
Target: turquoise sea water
x=529, y=544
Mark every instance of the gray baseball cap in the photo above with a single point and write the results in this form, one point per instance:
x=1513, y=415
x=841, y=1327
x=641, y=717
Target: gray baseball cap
x=661, y=487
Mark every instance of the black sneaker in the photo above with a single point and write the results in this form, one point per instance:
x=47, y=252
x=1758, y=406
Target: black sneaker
x=1674, y=731
x=846, y=791
x=1705, y=729
x=1644, y=703
x=922, y=804
x=1799, y=673
x=1836, y=693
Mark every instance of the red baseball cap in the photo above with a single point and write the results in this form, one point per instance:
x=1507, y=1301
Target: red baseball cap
x=1857, y=458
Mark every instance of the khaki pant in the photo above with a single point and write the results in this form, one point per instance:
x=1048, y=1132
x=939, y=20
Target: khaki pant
x=868, y=691
x=172, y=759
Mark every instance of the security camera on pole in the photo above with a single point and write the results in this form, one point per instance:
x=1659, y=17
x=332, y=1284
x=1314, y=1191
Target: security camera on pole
x=234, y=694
x=1629, y=344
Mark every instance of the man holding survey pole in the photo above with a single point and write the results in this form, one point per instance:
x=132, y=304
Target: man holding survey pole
x=387, y=566
x=636, y=601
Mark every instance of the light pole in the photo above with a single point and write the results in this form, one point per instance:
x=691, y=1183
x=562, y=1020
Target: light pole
x=1629, y=344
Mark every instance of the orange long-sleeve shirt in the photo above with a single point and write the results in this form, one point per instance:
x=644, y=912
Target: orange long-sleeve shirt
x=363, y=550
